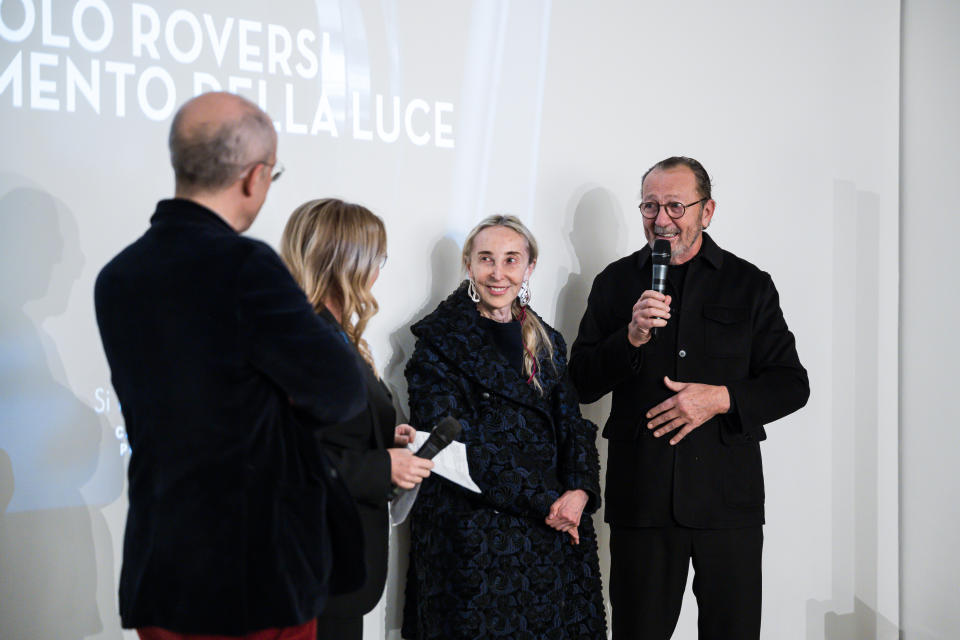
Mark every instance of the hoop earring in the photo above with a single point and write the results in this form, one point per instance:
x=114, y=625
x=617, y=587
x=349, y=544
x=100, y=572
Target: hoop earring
x=472, y=291
x=523, y=296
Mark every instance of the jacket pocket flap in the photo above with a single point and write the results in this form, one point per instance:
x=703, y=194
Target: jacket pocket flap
x=725, y=315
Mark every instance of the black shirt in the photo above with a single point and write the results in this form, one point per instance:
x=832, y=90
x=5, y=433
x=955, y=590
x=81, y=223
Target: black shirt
x=507, y=338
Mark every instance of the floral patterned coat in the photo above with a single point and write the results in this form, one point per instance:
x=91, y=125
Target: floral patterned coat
x=488, y=566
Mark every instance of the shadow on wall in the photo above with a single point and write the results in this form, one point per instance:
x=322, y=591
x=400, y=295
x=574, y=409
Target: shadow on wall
x=446, y=272
x=862, y=622
x=596, y=228
x=52, y=462
x=850, y=614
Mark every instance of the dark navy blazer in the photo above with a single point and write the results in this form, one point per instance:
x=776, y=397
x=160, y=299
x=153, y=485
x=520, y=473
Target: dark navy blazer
x=219, y=363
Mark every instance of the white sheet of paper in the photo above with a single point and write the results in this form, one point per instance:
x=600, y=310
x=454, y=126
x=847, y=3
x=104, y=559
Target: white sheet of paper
x=451, y=463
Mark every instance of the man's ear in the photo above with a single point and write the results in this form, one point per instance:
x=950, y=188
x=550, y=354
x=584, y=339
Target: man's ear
x=707, y=215
x=249, y=181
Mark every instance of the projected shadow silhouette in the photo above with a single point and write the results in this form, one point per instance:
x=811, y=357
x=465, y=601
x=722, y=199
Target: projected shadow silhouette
x=50, y=440
x=597, y=232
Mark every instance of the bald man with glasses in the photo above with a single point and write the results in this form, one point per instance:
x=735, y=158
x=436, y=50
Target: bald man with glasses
x=696, y=372
x=221, y=366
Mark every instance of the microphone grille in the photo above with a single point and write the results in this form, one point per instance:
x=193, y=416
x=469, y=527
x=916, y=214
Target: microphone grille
x=449, y=429
x=661, y=252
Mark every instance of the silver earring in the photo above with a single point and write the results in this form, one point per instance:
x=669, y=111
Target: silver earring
x=472, y=291
x=523, y=296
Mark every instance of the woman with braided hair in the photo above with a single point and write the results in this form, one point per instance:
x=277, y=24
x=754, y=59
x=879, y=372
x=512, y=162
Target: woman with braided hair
x=519, y=560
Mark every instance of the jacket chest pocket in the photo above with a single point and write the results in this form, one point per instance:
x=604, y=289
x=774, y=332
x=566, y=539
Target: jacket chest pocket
x=726, y=331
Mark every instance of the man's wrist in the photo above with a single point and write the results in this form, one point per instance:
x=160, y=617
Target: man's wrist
x=726, y=400
x=637, y=342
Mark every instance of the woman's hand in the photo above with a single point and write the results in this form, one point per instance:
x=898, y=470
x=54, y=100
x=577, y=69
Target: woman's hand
x=403, y=435
x=566, y=511
x=406, y=469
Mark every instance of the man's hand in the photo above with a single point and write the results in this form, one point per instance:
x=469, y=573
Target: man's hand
x=692, y=405
x=651, y=310
x=406, y=469
x=565, y=513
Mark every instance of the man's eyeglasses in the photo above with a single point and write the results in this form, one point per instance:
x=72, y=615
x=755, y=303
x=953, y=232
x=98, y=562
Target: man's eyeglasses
x=277, y=169
x=675, y=210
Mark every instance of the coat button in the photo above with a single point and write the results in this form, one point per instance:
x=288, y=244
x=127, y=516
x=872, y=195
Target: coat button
x=485, y=395
x=683, y=353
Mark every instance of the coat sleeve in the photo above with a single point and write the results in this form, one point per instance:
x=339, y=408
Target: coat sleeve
x=508, y=480
x=577, y=458
x=602, y=356
x=778, y=383
x=299, y=352
x=366, y=473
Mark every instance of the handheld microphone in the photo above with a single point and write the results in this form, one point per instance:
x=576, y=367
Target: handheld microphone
x=661, y=259
x=445, y=432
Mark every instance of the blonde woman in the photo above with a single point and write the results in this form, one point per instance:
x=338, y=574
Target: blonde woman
x=335, y=251
x=519, y=560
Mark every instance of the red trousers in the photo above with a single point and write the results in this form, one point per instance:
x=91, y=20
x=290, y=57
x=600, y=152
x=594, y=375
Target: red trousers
x=305, y=631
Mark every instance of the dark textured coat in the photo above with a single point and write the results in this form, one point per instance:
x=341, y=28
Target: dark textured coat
x=730, y=331
x=218, y=359
x=487, y=566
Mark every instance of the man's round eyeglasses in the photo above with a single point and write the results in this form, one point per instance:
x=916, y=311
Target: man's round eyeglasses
x=675, y=210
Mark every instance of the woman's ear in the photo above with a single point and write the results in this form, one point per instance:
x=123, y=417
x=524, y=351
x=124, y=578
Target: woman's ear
x=529, y=271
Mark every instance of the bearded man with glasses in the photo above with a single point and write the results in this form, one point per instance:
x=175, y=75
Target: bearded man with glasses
x=690, y=400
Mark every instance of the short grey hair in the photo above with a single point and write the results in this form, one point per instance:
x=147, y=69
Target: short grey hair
x=210, y=156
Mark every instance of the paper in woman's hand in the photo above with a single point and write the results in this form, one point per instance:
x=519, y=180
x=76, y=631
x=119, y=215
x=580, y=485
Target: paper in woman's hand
x=450, y=462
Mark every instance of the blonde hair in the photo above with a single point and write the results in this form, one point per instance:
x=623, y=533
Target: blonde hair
x=333, y=248
x=534, y=334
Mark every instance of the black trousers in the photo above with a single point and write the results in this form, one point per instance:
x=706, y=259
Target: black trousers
x=648, y=575
x=333, y=628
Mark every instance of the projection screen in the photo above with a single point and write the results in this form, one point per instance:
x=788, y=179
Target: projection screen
x=435, y=114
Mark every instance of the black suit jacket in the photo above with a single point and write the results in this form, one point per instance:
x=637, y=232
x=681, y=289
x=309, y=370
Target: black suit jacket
x=730, y=331
x=217, y=359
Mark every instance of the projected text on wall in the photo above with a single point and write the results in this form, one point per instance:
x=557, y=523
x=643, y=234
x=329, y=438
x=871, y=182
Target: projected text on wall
x=78, y=65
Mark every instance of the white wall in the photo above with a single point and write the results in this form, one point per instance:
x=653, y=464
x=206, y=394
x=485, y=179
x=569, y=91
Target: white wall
x=557, y=107
x=929, y=414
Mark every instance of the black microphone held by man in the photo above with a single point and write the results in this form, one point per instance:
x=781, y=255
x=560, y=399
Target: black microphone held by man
x=661, y=260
